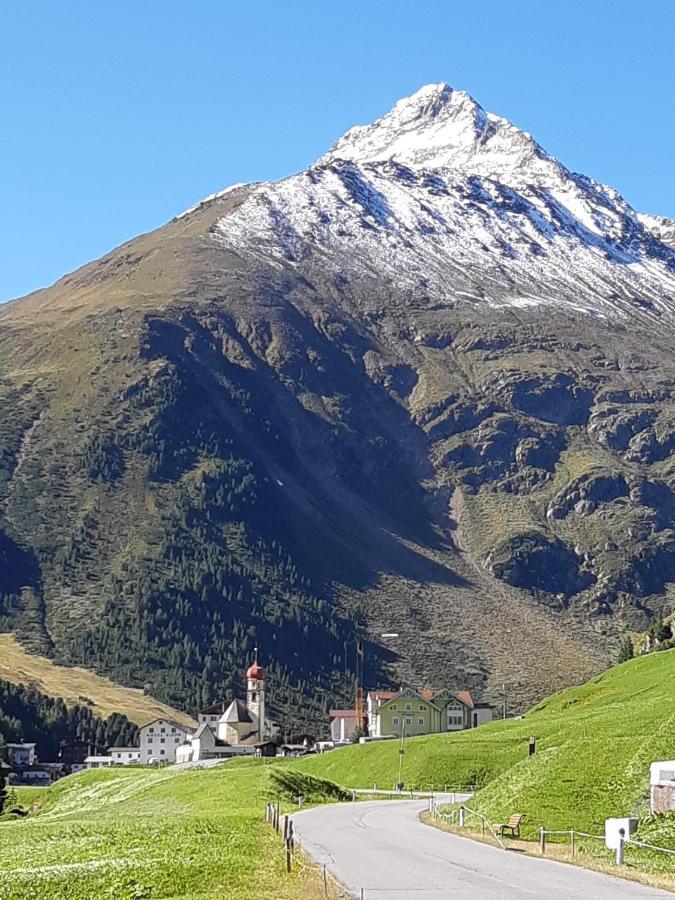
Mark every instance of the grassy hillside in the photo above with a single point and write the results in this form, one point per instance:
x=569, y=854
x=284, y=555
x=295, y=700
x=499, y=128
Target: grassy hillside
x=595, y=744
x=77, y=686
x=141, y=833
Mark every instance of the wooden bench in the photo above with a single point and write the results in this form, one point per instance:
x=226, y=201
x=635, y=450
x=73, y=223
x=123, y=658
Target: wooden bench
x=513, y=825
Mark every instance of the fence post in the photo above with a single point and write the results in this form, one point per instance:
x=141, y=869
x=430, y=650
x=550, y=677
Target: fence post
x=572, y=841
x=619, y=847
x=325, y=881
x=461, y=816
x=542, y=840
x=285, y=827
x=288, y=856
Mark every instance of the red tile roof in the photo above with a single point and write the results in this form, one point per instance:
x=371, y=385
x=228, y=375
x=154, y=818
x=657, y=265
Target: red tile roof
x=465, y=698
x=342, y=714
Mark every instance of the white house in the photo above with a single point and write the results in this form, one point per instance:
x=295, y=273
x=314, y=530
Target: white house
x=125, y=756
x=21, y=754
x=160, y=740
x=98, y=762
x=342, y=725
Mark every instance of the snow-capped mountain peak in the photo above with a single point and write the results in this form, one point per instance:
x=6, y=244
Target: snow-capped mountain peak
x=458, y=207
x=439, y=127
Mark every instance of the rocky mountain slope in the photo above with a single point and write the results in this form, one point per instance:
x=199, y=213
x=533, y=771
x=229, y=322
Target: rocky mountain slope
x=424, y=387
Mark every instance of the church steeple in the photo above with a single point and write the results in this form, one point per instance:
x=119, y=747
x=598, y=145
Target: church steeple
x=255, y=693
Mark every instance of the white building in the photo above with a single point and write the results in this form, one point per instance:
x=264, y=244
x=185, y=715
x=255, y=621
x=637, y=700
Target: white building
x=98, y=762
x=343, y=723
x=125, y=756
x=662, y=786
x=160, y=739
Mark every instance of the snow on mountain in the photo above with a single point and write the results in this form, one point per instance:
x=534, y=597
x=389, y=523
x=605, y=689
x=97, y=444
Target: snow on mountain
x=454, y=205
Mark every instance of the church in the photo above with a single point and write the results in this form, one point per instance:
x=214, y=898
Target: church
x=237, y=728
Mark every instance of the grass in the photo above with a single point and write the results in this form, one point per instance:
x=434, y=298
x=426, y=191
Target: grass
x=594, y=746
x=77, y=685
x=131, y=834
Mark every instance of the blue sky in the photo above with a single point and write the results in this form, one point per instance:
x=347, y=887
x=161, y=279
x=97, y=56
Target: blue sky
x=117, y=116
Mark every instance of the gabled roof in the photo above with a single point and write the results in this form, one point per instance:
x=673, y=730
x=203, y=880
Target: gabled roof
x=236, y=712
x=342, y=714
x=168, y=722
x=203, y=728
x=216, y=710
x=427, y=694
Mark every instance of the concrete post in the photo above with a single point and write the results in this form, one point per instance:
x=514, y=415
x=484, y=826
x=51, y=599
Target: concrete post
x=542, y=840
x=619, y=847
x=572, y=841
x=462, y=813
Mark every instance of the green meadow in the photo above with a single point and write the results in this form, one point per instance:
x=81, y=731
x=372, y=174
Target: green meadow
x=130, y=834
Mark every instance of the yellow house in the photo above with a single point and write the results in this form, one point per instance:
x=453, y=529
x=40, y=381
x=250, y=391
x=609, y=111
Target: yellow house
x=408, y=712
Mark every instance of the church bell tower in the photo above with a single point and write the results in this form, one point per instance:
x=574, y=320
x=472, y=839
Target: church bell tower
x=255, y=693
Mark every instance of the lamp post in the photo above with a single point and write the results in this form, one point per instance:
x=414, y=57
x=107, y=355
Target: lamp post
x=401, y=751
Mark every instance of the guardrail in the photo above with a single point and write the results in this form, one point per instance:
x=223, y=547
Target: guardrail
x=454, y=796
x=623, y=842
x=460, y=814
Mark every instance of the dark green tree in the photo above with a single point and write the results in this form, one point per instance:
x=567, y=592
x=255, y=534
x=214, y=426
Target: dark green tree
x=626, y=650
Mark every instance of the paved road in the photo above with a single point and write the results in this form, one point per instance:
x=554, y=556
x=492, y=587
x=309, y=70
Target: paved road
x=383, y=848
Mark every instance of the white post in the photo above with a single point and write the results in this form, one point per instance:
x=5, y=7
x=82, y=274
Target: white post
x=461, y=816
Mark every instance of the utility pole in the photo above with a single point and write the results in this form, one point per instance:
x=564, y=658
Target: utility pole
x=359, y=705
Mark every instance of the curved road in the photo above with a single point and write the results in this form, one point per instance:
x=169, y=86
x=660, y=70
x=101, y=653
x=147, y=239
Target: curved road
x=383, y=847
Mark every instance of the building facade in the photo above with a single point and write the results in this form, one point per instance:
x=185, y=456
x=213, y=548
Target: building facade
x=160, y=739
x=408, y=712
x=343, y=724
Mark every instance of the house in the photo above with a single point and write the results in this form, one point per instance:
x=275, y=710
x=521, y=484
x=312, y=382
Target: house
x=662, y=786
x=408, y=712
x=125, y=756
x=20, y=755
x=160, y=739
x=98, y=762
x=343, y=724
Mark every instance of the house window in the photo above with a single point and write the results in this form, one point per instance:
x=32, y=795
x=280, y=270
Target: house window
x=408, y=707
x=421, y=708
x=420, y=721
x=213, y=718
x=408, y=720
x=149, y=740
x=162, y=740
x=173, y=731
x=393, y=707
x=394, y=721
x=152, y=730
x=162, y=752
x=163, y=730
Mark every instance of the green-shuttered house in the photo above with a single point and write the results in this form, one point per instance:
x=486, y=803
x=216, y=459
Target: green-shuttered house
x=408, y=712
